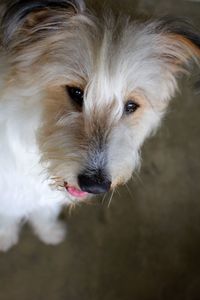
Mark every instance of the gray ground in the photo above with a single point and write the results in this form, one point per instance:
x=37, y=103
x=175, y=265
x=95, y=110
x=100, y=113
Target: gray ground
x=146, y=245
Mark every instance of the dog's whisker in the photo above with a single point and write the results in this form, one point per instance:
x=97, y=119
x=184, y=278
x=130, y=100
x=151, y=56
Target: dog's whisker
x=138, y=177
x=111, y=197
x=104, y=197
x=128, y=189
x=117, y=190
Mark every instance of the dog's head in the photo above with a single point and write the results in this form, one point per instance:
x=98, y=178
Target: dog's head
x=105, y=85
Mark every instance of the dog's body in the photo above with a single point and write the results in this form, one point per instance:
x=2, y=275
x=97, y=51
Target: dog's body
x=55, y=148
x=24, y=188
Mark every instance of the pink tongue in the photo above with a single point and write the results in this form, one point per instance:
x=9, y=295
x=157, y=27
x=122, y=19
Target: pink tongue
x=76, y=192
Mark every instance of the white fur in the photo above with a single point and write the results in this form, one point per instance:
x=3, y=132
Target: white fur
x=24, y=188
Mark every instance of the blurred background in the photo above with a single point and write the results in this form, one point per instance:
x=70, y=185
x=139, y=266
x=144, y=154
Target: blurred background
x=146, y=244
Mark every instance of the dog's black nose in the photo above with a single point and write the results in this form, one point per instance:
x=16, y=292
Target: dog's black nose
x=94, y=184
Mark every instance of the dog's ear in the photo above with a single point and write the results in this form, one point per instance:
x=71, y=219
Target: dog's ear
x=45, y=14
x=180, y=43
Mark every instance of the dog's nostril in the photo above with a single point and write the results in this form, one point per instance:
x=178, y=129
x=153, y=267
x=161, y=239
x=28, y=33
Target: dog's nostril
x=93, y=185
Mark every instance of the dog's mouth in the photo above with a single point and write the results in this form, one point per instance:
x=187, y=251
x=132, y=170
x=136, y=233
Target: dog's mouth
x=75, y=192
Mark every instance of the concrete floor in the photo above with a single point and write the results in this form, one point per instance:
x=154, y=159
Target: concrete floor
x=146, y=245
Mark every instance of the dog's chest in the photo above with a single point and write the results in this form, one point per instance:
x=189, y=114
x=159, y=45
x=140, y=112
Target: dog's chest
x=23, y=184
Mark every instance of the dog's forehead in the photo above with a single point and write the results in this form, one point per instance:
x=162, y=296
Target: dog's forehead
x=117, y=58
x=100, y=58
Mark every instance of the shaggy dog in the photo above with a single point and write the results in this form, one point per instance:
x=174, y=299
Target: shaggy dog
x=78, y=96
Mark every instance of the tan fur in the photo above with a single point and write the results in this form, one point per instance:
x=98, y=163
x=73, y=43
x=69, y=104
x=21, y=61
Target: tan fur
x=183, y=47
x=57, y=107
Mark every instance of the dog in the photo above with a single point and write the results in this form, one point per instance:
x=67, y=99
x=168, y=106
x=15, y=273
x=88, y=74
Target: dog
x=79, y=94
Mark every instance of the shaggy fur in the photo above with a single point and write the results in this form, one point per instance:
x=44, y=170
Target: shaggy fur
x=47, y=140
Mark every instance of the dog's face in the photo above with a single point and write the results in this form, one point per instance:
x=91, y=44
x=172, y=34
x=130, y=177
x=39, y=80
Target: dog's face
x=104, y=86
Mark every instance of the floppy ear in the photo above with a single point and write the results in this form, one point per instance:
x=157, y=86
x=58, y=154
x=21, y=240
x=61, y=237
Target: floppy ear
x=180, y=43
x=27, y=14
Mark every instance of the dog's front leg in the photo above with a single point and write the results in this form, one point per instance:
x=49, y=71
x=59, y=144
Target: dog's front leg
x=46, y=225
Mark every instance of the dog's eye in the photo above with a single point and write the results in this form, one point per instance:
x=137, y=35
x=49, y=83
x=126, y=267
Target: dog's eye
x=76, y=94
x=130, y=107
